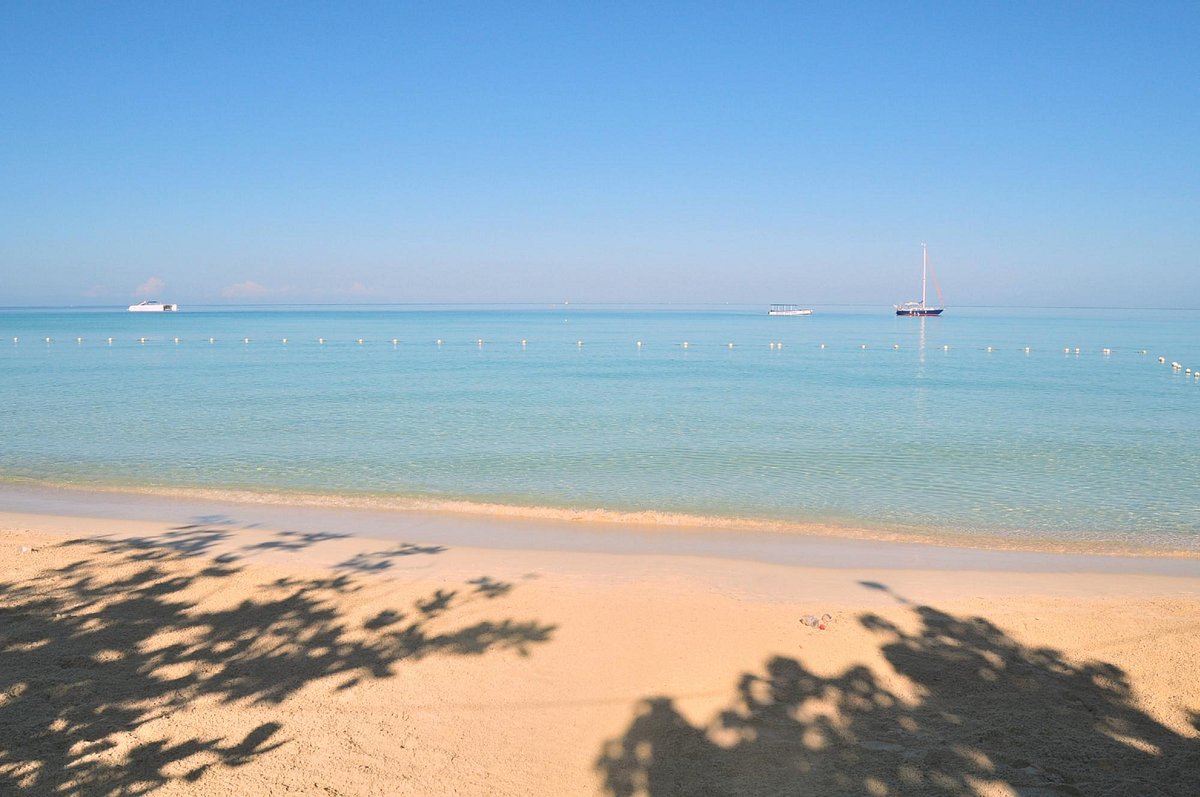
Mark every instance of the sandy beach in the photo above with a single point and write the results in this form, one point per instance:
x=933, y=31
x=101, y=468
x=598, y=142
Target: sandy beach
x=217, y=656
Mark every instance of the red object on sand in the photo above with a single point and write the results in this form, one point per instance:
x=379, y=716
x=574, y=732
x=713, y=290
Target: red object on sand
x=821, y=626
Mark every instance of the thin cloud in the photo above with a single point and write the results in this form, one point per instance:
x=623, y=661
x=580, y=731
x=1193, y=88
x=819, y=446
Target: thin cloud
x=150, y=287
x=247, y=290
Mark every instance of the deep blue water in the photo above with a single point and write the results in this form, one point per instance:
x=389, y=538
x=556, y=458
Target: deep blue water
x=1042, y=445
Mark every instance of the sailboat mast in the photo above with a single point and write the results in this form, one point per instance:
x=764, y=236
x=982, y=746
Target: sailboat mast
x=924, y=269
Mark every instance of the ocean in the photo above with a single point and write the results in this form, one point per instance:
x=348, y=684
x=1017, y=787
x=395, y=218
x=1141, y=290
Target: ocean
x=1036, y=427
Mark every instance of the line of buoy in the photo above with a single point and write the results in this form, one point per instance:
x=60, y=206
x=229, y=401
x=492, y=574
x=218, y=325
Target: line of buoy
x=773, y=345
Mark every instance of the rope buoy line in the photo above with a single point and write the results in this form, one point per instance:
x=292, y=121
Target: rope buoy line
x=774, y=345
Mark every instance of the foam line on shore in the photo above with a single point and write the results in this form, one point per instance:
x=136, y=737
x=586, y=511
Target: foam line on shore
x=646, y=520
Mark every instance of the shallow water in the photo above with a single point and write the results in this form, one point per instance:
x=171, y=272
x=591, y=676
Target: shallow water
x=1043, y=445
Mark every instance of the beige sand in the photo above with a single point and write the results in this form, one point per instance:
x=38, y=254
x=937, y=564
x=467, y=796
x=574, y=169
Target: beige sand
x=216, y=660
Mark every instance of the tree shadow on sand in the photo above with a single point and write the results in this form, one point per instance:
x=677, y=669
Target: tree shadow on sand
x=92, y=652
x=990, y=716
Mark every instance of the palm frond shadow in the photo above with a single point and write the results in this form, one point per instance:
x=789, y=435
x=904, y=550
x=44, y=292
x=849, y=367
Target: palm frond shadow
x=90, y=654
x=993, y=717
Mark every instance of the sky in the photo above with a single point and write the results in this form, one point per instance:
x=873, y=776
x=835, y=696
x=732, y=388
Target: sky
x=209, y=153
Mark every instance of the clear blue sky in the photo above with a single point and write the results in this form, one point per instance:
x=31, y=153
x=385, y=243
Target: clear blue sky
x=1049, y=153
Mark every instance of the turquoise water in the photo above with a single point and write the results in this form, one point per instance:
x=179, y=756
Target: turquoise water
x=1043, y=445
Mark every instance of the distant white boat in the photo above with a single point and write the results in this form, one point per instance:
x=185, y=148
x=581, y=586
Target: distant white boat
x=153, y=307
x=788, y=309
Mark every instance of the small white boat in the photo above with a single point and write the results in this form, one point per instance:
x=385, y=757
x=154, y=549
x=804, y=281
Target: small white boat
x=153, y=307
x=788, y=309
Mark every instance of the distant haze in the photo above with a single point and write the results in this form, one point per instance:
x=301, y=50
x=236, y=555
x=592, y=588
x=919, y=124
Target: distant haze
x=209, y=153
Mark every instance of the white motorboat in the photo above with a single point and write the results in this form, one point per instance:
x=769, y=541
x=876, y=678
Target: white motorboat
x=153, y=307
x=788, y=309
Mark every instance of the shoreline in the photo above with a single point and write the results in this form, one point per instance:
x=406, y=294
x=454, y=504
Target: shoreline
x=649, y=522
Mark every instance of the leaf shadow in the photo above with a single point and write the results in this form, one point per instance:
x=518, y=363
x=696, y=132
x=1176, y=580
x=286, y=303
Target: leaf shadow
x=992, y=716
x=129, y=633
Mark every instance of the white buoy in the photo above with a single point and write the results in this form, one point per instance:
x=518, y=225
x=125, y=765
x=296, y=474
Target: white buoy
x=730, y=345
x=779, y=345
x=47, y=340
x=1107, y=351
x=1143, y=351
x=110, y=341
x=321, y=341
x=395, y=341
x=864, y=346
x=639, y=344
x=177, y=340
x=439, y=341
x=79, y=340
x=211, y=340
x=946, y=347
x=360, y=340
x=771, y=345
x=896, y=346
x=479, y=342
x=1077, y=350
x=17, y=340
x=1162, y=359
x=822, y=345
x=245, y=340
x=285, y=340
x=989, y=349
x=685, y=344
x=524, y=343
x=1027, y=350
x=143, y=340
x=1066, y=351
x=1176, y=366
x=579, y=344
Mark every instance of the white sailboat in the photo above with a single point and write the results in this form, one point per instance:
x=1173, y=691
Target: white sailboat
x=920, y=308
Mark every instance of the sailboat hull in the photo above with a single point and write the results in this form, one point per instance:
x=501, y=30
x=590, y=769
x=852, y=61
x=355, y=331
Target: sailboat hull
x=921, y=311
